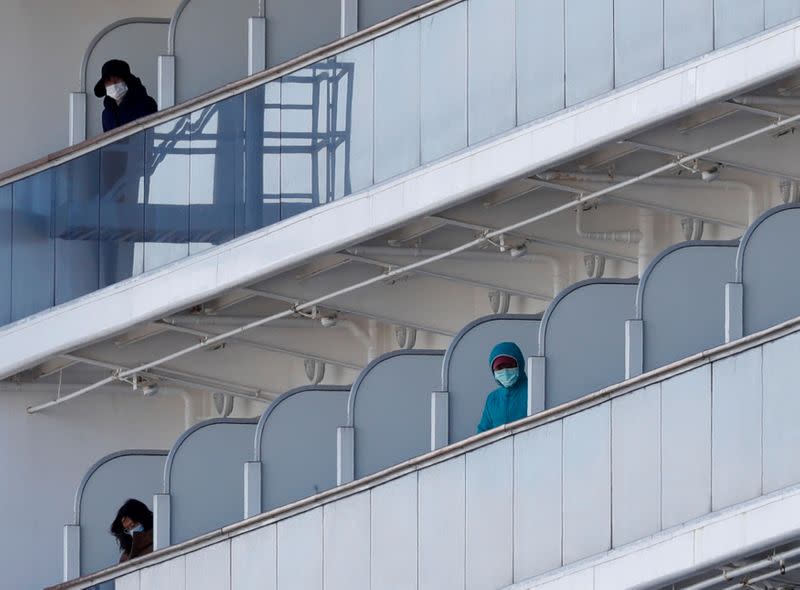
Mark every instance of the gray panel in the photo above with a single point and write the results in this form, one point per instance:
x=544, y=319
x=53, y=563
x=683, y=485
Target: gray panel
x=780, y=11
x=167, y=575
x=300, y=429
x=140, y=44
x=636, y=465
x=390, y=407
x=300, y=551
x=490, y=493
x=201, y=65
x=444, y=82
x=108, y=485
x=688, y=29
x=442, y=507
x=298, y=26
x=781, y=408
x=540, y=58
x=492, y=73
x=583, y=333
x=466, y=374
x=767, y=259
x=736, y=19
x=346, y=543
x=686, y=446
x=254, y=560
x=587, y=483
x=682, y=301
x=371, y=12
x=206, y=477
x=397, y=117
x=537, y=500
x=209, y=568
x=393, y=563
x=736, y=429
x=638, y=39
x=589, y=48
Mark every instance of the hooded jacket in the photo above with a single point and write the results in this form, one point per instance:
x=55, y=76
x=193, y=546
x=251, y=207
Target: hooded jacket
x=135, y=104
x=506, y=404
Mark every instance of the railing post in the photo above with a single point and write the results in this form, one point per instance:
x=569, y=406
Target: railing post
x=535, y=369
x=252, y=488
x=440, y=419
x=257, y=44
x=166, y=81
x=161, y=521
x=345, y=455
x=634, y=348
x=72, y=552
x=734, y=312
x=77, y=117
x=349, y=17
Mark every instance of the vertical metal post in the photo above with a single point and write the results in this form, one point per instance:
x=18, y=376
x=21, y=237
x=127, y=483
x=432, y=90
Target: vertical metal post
x=349, y=17
x=161, y=521
x=734, y=311
x=345, y=455
x=72, y=552
x=440, y=419
x=256, y=45
x=535, y=369
x=252, y=488
x=166, y=81
x=634, y=348
x=77, y=117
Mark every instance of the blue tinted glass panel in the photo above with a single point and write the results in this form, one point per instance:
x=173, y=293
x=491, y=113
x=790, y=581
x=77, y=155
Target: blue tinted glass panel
x=77, y=214
x=589, y=39
x=397, y=81
x=444, y=82
x=166, y=213
x=217, y=169
x=5, y=254
x=122, y=209
x=638, y=39
x=306, y=135
x=350, y=159
x=492, y=73
x=688, y=30
x=33, y=246
x=736, y=19
x=262, y=189
x=780, y=11
x=540, y=58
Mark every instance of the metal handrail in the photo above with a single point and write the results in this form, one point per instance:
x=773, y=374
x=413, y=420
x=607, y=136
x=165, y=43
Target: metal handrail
x=232, y=89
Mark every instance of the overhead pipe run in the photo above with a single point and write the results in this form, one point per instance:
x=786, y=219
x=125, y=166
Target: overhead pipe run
x=770, y=101
x=396, y=272
x=625, y=236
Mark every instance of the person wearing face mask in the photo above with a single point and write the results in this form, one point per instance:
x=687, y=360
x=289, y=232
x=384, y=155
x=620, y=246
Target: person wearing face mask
x=133, y=529
x=124, y=96
x=508, y=402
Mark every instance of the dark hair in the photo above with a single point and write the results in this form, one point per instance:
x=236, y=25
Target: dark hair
x=136, y=511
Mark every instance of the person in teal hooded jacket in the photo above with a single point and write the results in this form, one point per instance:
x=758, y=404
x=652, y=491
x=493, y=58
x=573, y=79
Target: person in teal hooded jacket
x=508, y=402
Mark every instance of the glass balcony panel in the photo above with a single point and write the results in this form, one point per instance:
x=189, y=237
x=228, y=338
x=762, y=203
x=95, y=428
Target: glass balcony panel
x=736, y=19
x=589, y=37
x=397, y=142
x=444, y=82
x=262, y=182
x=5, y=254
x=33, y=246
x=688, y=30
x=216, y=172
x=780, y=11
x=122, y=209
x=166, y=212
x=638, y=39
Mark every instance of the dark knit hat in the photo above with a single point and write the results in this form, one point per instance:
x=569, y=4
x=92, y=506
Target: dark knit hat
x=113, y=67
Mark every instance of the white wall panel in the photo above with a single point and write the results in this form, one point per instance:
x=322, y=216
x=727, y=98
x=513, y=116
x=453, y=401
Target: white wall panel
x=589, y=26
x=686, y=446
x=209, y=568
x=736, y=19
x=638, y=39
x=587, y=483
x=254, y=560
x=168, y=575
x=129, y=582
x=490, y=491
x=442, y=508
x=636, y=465
x=346, y=536
x=736, y=429
x=779, y=11
x=300, y=551
x=688, y=29
x=537, y=500
x=394, y=534
x=781, y=409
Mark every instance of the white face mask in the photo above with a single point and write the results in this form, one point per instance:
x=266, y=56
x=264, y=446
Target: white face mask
x=137, y=529
x=117, y=91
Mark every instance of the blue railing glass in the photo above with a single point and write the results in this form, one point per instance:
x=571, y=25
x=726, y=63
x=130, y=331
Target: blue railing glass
x=454, y=78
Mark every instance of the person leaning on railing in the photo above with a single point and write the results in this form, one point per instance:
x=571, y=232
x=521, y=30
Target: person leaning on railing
x=133, y=529
x=509, y=402
x=124, y=96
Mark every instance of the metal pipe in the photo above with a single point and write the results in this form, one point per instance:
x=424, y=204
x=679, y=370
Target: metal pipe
x=744, y=570
x=173, y=25
x=419, y=264
x=770, y=101
x=626, y=236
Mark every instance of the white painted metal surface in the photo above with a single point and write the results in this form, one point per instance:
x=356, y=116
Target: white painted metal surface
x=209, y=568
x=254, y=560
x=393, y=562
x=346, y=543
x=300, y=551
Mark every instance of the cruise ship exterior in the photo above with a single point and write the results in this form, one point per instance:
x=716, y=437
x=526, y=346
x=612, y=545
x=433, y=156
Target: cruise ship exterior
x=267, y=310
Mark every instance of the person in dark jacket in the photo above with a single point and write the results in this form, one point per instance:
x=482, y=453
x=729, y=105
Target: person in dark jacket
x=133, y=529
x=124, y=96
x=508, y=402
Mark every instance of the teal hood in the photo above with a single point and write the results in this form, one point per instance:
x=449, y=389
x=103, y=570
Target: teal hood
x=512, y=350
